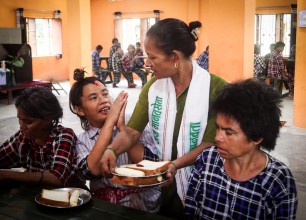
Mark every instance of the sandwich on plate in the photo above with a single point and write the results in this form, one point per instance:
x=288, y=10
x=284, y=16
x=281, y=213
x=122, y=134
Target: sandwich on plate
x=144, y=173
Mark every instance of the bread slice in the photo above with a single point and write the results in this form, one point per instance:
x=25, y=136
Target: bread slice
x=149, y=167
x=55, y=198
x=123, y=171
x=144, y=173
x=137, y=181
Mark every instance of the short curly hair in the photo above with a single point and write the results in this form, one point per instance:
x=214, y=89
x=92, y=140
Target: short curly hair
x=255, y=106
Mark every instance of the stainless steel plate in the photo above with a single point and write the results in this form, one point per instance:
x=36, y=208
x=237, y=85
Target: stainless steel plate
x=150, y=185
x=116, y=174
x=85, y=196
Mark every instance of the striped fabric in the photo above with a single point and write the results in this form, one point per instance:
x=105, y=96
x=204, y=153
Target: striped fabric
x=259, y=66
x=276, y=66
x=203, y=60
x=213, y=195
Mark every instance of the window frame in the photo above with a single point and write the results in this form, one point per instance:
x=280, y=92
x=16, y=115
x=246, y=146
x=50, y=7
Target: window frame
x=53, y=46
x=281, y=28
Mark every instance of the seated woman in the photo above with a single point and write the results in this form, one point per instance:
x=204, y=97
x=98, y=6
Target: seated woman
x=102, y=119
x=128, y=63
x=118, y=68
x=237, y=179
x=139, y=62
x=41, y=146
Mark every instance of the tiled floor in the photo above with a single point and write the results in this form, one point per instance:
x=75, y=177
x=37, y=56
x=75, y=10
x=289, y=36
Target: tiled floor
x=291, y=145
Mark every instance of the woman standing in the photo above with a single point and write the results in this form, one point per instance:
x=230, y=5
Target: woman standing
x=176, y=104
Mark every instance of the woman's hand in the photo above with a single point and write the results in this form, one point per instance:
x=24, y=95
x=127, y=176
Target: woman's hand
x=121, y=120
x=170, y=174
x=108, y=163
x=116, y=114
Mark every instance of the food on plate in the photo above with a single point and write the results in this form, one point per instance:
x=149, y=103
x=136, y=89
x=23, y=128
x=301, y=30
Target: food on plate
x=143, y=173
x=74, y=198
x=55, y=198
x=16, y=169
x=123, y=171
x=149, y=167
x=59, y=198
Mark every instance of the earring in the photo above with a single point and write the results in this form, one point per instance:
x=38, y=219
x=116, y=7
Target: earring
x=175, y=65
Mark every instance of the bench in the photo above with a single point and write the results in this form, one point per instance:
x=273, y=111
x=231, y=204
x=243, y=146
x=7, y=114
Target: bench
x=9, y=89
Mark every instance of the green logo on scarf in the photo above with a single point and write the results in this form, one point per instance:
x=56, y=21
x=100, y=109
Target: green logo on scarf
x=194, y=134
x=157, y=110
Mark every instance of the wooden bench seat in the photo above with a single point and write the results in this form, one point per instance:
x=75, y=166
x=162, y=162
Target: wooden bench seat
x=9, y=89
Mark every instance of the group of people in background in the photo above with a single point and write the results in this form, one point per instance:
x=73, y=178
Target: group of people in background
x=121, y=63
x=273, y=66
x=217, y=141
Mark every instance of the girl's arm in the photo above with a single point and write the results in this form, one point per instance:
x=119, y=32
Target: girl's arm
x=117, y=111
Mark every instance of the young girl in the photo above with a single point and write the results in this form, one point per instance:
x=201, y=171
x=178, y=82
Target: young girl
x=102, y=119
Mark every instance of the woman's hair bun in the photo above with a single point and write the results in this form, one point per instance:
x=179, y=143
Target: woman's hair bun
x=79, y=74
x=195, y=24
x=194, y=29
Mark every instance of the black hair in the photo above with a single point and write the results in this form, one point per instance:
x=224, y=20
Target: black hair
x=138, y=43
x=40, y=102
x=173, y=34
x=76, y=93
x=255, y=106
x=117, y=47
x=195, y=24
x=279, y=44
x=256, y=49
x=114, y=40
x=99, y=47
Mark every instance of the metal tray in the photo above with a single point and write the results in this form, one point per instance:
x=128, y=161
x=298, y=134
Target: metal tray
x=85, y=196
x=116, y=174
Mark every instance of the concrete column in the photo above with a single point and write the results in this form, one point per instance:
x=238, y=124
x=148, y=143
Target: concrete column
x=231, y=34
x=79, y=35
x=299, y=108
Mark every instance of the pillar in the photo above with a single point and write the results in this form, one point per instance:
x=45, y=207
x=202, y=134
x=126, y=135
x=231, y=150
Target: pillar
x=299, y=104
x=231, y=34
x=79, y=35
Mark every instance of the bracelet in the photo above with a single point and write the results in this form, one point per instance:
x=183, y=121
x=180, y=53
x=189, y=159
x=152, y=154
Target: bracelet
x=173, y=164
x=112, y=149
x=42, y=173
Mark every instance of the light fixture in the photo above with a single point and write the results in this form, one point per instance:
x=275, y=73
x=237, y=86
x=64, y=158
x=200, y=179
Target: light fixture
x=156, y=14
x=117, y=15
x=57, y=14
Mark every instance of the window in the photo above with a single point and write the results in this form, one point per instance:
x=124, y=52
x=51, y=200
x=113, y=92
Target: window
x=132, y=30
x=272, y=28
x=44, y=36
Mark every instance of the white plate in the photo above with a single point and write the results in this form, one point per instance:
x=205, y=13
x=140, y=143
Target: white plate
x=85, y=196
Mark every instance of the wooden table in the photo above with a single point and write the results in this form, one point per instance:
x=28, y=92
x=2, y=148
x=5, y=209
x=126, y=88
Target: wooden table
x=18, y=202
x=9, y=89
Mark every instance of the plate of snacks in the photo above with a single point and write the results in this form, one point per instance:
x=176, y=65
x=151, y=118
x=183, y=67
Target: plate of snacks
x=63, y=198
x=143, y=174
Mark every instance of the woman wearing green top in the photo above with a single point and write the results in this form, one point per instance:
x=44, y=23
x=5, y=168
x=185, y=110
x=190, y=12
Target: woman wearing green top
x=176, y=105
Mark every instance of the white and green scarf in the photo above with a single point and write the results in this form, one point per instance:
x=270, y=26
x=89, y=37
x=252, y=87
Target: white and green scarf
x=162, y=114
